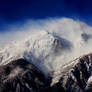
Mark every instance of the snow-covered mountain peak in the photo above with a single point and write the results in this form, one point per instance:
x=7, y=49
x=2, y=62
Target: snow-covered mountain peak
x=37, y=48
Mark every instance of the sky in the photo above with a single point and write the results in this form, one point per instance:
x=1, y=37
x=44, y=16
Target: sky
x=19, y=11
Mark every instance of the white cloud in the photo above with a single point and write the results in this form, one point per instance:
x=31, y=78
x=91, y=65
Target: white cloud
x=75, y=36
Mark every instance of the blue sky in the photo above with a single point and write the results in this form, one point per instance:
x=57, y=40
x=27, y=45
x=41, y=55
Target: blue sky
x=18, y=11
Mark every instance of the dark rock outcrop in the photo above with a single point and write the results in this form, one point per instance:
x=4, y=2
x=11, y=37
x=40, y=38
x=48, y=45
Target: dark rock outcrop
x=74, y=77
x=21, y=76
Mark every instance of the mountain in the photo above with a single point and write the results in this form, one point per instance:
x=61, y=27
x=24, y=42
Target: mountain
x=46, y=61
x=22, y=76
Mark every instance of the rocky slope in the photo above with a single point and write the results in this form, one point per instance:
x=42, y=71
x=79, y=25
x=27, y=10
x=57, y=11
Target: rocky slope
x=21, y=76
x=74, y=77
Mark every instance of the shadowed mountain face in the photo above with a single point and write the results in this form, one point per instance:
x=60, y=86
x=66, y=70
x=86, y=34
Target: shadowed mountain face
x=21, y=76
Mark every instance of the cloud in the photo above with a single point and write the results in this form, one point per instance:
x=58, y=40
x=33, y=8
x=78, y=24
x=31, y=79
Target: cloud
x=75, y=38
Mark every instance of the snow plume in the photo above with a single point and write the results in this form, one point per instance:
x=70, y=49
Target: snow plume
x=49, y=44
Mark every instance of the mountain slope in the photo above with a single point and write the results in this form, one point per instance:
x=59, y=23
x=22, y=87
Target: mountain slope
x=74, y=77
x=21, y=76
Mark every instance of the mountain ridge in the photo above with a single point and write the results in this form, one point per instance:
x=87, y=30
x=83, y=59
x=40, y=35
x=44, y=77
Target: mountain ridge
x=75, y=77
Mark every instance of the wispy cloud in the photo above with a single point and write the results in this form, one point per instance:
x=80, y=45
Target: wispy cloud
x=76, y=36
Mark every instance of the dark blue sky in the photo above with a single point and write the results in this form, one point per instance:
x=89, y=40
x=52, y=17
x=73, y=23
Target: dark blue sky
x=18, y=11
